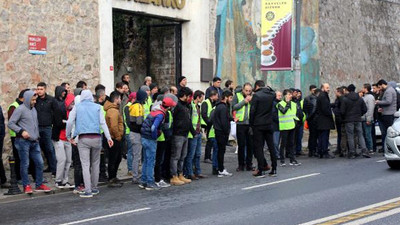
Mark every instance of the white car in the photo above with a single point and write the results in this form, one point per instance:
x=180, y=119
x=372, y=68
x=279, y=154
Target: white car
x=392, y=144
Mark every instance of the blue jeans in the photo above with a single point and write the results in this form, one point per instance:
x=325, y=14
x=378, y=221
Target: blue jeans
x=193, y=156
x=29, y=149
x=214, y=153
x=299, y=138
x=149, y=158
x=129, y=157
x=277, y=136
x=368, y=135
x=47, y=146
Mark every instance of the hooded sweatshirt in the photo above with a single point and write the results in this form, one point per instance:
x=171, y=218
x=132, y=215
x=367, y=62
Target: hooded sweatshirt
x=353, y=108
x=114, y=120
x=25, y=118
x=60, y=113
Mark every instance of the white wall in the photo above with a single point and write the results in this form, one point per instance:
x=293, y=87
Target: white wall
x=195, y=36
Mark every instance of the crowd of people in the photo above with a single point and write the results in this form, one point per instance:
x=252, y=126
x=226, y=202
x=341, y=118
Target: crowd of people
x=162, y=130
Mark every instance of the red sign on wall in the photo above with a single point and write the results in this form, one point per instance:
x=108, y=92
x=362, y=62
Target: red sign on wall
x=37, y=45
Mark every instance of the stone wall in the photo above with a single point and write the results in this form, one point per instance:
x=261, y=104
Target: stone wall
x=71, y=28
x=359, y=41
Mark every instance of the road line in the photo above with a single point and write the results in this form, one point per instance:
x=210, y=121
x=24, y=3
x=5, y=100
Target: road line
x=375, y=217
x=106, y=216
x=280, y=181
x=379, y=161
x=354, y=211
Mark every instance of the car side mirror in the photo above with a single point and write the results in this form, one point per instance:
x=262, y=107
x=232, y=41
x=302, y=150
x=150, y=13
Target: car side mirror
x=397, y=114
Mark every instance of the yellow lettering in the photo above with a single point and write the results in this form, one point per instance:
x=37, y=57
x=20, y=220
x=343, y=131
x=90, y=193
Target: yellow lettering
x=173, y=4
x=180, y=4
x=145, y=1
x=155, y=2
x=166, y=3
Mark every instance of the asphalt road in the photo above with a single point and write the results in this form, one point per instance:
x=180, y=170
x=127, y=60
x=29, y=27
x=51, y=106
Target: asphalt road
x=317, y=189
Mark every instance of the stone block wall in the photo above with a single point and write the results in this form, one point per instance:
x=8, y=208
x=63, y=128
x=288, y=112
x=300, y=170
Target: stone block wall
x=359, y=41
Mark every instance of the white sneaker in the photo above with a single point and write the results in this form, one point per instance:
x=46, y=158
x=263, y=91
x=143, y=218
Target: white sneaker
x=224, y=174
x=163, y=184
x=69, y=186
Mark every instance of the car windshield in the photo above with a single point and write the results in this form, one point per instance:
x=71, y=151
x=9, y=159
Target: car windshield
x=396, y=124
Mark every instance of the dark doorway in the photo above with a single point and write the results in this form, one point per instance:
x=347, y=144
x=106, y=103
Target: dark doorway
x=147, y=46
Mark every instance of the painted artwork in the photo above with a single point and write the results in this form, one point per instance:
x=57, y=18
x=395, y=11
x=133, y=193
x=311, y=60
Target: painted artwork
x=238, y=45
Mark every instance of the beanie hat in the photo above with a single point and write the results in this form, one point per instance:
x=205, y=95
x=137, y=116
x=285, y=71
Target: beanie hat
x=180, y=79
x=144, y=88
x=141, y=96
x=132, y=96
x=351, y=88
x=152, y=86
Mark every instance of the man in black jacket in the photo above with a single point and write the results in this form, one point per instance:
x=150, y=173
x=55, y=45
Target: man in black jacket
x=45, y=108
x=310, y=106
x=3, y=178
x=181, y=127
x=352, y=109
x=261, y=118
x=215, y=87
x=324, y=121
x=205, y=115
x=222, y=124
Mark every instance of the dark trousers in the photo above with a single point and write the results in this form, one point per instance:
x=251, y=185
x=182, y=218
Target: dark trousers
x=165, y=165
x=323, y=142
x=339, y=137
x=103, y=158
x=385, y=122
x=373, y=136
x=76, y=162
x=161, y=148
x=222, y=140
x=245, y=143
x=287, y=144
x=313, y=138
x=299, y=138
x=46, y=146
x=209, y=146
x=261, y=136
x=114, y=159
x=3, y=177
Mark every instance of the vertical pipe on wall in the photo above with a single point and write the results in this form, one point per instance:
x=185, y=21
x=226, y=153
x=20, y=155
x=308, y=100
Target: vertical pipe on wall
x=297, y=80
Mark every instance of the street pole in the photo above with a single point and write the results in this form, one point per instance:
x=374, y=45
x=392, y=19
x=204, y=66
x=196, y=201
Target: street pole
x=297, y=65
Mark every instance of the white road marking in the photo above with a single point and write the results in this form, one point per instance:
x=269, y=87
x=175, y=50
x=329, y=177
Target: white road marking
x=374, y=217
x=317, y=221
x=106, y=216
x=280, y=181
x=379, y=161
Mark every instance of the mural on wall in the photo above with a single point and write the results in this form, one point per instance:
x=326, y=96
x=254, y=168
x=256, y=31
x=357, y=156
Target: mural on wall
x=238, y=41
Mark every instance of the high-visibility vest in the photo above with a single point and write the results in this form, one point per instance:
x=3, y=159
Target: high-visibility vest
x=240, y=114
x=302, y=108
x=127, y=130
x=211, y=133
x=16, y=105
x=170, y=120
x=104, y=113
x=287, y=120
x=147, y=106
x=195, y=118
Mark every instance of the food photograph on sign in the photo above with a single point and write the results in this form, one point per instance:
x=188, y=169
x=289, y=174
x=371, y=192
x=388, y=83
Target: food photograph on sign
x=276, y=39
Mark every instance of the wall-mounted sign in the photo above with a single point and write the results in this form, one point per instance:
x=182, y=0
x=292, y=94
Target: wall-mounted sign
x=37, y=45
x=174, y=4
x=276, y=34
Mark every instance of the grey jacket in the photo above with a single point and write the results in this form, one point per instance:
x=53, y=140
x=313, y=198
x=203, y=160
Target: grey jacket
x=370, y=103
x=238, y=105
x=25, y=118
x=389, y=101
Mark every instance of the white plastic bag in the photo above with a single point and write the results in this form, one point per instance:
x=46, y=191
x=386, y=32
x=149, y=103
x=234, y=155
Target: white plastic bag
x=233, y=129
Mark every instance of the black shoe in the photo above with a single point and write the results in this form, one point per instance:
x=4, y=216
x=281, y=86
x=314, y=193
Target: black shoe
x=328, y=156
x=250, y=168
x=259, y=174
x=47, y=170
x=272, y=173
x=114, y=183
x=103, y=179
x=341, y=155
x=351, y=156
x=240, y=169
x=215, y=171
x=366, y=155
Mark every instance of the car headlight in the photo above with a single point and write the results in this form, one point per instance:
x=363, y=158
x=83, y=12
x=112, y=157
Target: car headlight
x=392, y=133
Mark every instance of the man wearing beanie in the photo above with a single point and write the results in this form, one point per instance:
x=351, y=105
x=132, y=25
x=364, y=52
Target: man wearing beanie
x=352, y=109
x=134, y=115
x=182, y=81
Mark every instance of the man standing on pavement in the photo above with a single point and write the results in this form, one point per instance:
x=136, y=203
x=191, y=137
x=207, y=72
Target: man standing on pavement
x=180, y=129
x=275, y=124
x=206, y=108
x=222, y=124
x=45, y=109
x=116, y=127
x=24, y=122
x=353, y=108
x=215, y=87
x=387, y=107
x=299, y=130
x=3, y=178
x=368, y=118
x=261, y=116
x=241, y=109
x=310, y=106
x=324, y=121
x=88, y=119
